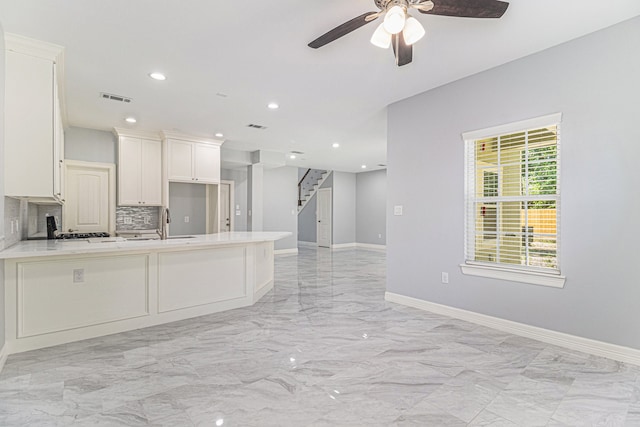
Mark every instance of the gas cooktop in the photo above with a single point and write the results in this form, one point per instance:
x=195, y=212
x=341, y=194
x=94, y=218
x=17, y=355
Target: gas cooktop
x=67, y=236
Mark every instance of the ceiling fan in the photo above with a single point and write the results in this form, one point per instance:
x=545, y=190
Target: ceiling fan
x=401, y=30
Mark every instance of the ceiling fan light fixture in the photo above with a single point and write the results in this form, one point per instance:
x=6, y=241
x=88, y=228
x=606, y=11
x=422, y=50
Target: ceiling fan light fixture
x=413, y=31
x=395, y=19
x=381, y=38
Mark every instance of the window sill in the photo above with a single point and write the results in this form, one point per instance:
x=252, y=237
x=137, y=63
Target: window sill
x=533, y=278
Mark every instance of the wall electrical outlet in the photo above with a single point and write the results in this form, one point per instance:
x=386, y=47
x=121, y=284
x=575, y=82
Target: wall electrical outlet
x=186, y=219
x=128, y=220
x=379, y=236
x=397, y=210
x=147, y=219
x=78, y=275
x=445, y=277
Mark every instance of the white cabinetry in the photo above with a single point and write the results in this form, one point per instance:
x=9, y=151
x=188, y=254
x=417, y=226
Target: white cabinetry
x=139, y=171
x=193, y=161
x=33, y=124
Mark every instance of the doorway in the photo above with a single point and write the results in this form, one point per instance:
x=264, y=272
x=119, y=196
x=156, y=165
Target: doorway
x=226, y=206
x=324, y=211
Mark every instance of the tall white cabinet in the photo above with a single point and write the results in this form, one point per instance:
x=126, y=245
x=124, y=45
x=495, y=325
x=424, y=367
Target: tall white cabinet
x=139, y=169
x=33, y=120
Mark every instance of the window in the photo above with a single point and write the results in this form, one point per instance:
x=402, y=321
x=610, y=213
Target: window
x=513, y=201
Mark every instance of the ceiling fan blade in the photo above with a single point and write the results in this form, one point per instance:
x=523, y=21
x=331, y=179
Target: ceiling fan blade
x=468, y=8
x=402, y=51
x=342, y=30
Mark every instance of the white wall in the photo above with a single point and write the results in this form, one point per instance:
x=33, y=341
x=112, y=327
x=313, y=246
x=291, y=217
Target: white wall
x=1, y=185
x=307, y=225
x=594, y=82
x=280, y=187
x=371, y=207
x=344, y=208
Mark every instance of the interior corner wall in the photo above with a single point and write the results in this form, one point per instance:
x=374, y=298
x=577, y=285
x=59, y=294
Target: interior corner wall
x=593, y=82
x=344, y=208
x=2, y=83
x=90, y=145
x=280, y=212
x=240, y=180
x=371, y=207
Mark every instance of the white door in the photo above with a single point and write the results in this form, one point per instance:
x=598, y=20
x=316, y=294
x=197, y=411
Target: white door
x=225, y=207
x=88, y=198
x=324, y=217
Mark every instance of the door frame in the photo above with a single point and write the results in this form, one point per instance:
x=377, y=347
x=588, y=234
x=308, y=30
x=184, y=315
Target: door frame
x=324, y=190
x=111, y=173
x=232, y=203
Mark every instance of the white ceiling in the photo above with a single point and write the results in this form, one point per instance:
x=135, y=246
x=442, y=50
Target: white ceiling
x=256, y=52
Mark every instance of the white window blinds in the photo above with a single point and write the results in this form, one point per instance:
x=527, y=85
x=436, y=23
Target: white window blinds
x=513, y=196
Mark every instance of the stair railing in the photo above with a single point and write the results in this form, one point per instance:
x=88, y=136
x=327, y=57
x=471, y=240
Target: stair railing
x=300, y=187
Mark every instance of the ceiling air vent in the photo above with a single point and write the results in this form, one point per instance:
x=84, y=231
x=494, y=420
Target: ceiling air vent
x=254, y=126
x=113, y=97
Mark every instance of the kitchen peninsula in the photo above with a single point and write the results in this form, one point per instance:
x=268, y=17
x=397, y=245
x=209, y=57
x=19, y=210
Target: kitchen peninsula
x=63, y=291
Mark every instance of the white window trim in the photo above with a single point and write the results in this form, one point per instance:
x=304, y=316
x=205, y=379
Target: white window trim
x=554, y=280
x=530, y=277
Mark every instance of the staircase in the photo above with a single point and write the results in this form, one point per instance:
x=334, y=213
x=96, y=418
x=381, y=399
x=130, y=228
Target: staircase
x=309, y=184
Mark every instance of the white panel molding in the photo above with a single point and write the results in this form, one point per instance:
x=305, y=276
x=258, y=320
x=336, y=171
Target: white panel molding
x=572, y=342
x=286, y=251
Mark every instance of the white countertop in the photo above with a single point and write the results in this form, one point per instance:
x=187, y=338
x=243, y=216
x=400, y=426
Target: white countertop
x=44, y=248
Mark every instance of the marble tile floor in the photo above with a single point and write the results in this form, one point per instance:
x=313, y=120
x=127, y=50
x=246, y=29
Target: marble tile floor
x=322, y=349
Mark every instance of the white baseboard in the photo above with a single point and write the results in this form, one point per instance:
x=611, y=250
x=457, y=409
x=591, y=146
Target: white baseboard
x=307, y=244
x=572, y=342
x=371, y=246
x=3, y=356
x=285, y=251
x=344, y=245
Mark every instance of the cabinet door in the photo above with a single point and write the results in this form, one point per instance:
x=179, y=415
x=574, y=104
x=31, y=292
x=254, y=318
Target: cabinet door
x=129, y=173
x=87, y=206
x=180, y=159
x=151, y=172
x=29, y=119
x=207, y=163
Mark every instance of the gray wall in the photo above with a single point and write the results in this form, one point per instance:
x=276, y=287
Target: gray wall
x=1, y=184
x=90, y=145
x=371, y=207
x=240, y=179
x=307, y=225
x=593, y=81
x=344, y=208
x=280, y=188
x=187, y=200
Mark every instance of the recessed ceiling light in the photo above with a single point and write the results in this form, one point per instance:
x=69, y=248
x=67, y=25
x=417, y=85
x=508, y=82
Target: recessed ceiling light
x=219, y=135
x=273, y=106
x=363, y=166
x=292, y=156
x=158, y=76
x=335, y=145
x=130, y=120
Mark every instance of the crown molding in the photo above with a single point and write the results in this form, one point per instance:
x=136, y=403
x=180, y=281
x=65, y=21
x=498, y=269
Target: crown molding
x=134, y=133
x=166, y=134
x=33, y=47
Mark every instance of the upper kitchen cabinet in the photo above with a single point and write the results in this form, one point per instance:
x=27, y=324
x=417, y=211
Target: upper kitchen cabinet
x=34, y=137
x=139, y=169
x=195, y=160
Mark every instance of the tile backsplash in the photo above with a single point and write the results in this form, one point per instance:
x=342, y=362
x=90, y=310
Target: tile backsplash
x=137, y=218
x=13, y=214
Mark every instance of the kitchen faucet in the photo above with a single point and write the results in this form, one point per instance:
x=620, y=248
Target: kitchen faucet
x=165, y=218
